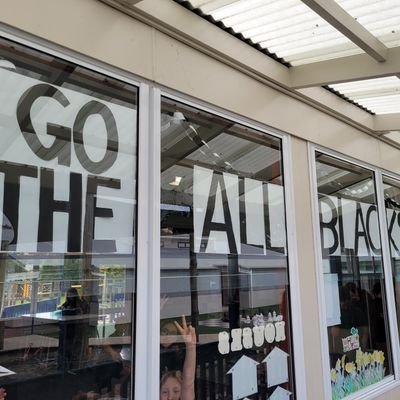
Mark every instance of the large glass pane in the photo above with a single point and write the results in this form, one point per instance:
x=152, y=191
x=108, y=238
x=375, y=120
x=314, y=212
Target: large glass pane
x=359, y=346
x=67, y=195
x=391, y=189
x=225, y=321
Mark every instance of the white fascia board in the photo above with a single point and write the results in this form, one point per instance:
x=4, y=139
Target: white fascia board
x=344, y=69
x=387, y=122
x=349, y=27
x=340, y=105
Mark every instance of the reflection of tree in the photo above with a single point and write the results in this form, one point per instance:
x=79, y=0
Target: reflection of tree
x=114, y=271
x=71, y=271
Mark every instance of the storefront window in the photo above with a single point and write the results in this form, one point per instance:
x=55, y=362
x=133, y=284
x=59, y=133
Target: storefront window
x=391, y=189
x=67, y=195
x=354, y=284
x=225, y=315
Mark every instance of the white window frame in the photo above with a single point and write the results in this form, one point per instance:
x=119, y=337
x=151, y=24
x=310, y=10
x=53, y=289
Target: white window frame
x=146, y=340
x=295, y=293
x=143, y=212
x=391, y=381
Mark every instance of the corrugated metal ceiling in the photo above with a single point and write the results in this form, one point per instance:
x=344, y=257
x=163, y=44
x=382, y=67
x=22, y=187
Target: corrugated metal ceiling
x=296, y=34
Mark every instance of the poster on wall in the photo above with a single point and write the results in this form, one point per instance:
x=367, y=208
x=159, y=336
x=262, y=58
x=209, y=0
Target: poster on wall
x=67, y=169
x=332, y=300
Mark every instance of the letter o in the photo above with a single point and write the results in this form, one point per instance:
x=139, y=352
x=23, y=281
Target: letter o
x=94, y=107
x=269, y=332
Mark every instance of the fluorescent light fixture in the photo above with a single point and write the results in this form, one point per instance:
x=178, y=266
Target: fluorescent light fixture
x=178, y=117
x=173, y=207
x=7, y=64
x=176, y=181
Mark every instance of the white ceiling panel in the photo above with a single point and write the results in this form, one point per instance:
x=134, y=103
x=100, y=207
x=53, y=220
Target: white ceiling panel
x=287, y=28
x=380, y=96
x=380, y=17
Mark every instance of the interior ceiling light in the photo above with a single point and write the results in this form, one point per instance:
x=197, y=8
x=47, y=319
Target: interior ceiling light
x=7, y=64
x=176, y=181
x=380, y=95
x=178, y=116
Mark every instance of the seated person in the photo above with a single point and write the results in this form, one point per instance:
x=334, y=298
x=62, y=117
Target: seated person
x=73, y=303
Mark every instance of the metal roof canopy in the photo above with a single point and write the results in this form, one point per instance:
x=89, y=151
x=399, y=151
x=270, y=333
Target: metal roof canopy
x=351, y=46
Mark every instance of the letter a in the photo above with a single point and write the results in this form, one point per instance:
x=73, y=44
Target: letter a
x=209, y=225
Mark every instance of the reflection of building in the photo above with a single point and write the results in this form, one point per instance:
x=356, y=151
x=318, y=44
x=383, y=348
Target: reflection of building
x=258, y=280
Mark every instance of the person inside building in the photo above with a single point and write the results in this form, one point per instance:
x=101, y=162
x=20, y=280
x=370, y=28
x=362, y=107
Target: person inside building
x=177, y=385
x=73, y=334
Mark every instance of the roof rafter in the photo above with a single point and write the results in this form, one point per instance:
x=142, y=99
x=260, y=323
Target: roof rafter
x=387, y=122
x=132, y=2
x=344, y=69
x=348, y=26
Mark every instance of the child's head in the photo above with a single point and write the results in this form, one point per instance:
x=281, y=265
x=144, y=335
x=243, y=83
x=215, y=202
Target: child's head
x=170, y=386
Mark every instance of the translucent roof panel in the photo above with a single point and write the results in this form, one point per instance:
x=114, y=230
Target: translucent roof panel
x=380, y=96
x=287, y=28
x=380, y=17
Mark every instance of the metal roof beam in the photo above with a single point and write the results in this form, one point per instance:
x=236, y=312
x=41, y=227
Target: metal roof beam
x=348, y=26
x=387, y=122
x=131, y=2
x=344, y=69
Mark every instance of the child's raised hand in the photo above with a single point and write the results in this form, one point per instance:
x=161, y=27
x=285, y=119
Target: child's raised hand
x=186, y=331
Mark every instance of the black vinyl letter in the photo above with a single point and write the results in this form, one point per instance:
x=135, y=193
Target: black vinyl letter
x=12, y=174
x=48, y=206
x=93, y=108
x=218, y=179
x=343, y=248
x=359, y=234
x=328, y=225
x=92, y=211
x=255, y=249
x=376, y=250
x=61, y=147
x=391, y=225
